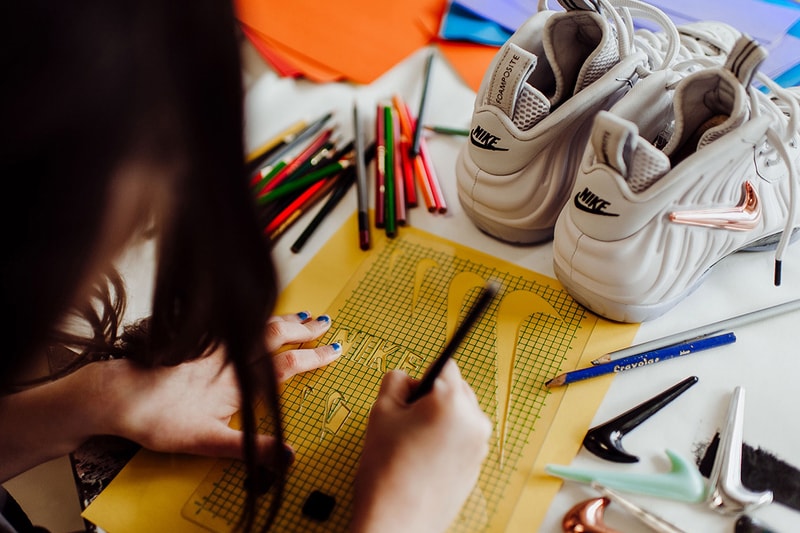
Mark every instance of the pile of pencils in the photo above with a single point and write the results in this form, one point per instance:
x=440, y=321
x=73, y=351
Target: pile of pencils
x=306, y=163
x=296, y=170
x=403, y=166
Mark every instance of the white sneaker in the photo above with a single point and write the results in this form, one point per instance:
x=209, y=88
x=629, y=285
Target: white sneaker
x=536, y=102
x=682, y=172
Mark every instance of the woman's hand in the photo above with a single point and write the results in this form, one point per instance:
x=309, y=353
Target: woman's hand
x=187, y=408
x=421, y=460
x=294, y=329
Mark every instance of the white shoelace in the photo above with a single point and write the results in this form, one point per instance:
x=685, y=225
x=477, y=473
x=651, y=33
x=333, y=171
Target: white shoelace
x=783, y=108
x=665, y=47
x=668, y=48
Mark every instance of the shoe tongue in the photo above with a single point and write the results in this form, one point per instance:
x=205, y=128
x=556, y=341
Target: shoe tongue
x=580, y=47
x=706, y=108
x=616, y=143
x=708, y=104
x=510, y=89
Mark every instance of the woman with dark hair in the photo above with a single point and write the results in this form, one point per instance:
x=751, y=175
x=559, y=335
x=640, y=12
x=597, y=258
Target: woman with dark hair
x=122, y=121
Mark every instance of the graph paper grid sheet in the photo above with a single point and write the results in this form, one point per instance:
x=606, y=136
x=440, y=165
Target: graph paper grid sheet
x=398, y=311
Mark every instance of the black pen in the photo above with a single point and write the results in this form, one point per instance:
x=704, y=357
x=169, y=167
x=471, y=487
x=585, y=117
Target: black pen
x=364, y=238
x=426, y=383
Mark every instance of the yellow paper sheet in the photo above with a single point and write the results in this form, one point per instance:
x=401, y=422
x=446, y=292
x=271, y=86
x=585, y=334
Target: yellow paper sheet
x=394, y=308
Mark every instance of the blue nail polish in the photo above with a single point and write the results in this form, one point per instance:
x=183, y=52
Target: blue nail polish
x=337, y=347
x=302, y=315
x=324, y=318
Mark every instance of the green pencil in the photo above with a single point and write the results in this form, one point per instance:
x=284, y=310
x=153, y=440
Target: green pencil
x=445, y=130
x=391, y=196
x=300, y=183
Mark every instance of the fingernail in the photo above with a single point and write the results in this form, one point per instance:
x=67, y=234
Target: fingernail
x=337, y=347
x=323, y=318
x=302, y=315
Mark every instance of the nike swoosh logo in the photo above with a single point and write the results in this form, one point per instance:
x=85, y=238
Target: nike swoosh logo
x=742, y=217
x=487, y=145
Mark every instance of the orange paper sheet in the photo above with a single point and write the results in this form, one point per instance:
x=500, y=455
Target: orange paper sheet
x=358, y=39
x=469, y=60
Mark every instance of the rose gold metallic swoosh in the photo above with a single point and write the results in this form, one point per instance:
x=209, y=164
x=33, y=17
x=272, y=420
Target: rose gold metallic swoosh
x=742, y=217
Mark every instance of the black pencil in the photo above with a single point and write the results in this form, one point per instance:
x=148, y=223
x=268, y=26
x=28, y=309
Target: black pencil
x=364, y=238
x=419, y=127
x=433, y=371
x=348, y=177
x=345, y=181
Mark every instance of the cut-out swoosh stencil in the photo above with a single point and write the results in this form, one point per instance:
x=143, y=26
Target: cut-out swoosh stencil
x=419, y=276
x=513, y=310
x=460, y=286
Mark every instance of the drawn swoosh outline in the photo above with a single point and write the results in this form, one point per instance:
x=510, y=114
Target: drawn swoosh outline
x=742, y=217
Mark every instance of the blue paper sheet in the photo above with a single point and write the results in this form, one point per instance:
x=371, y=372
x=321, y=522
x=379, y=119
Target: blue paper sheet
x=774, y=23
x=461, y=24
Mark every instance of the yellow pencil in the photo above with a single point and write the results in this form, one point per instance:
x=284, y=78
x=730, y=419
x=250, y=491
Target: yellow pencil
x=283, y=136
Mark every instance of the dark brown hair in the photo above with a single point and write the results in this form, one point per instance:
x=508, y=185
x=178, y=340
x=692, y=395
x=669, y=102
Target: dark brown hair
x=86, y=86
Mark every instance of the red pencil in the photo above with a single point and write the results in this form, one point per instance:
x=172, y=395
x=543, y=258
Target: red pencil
x=433, y=179
x=420, y=172
x=399, y=176
x=406, y=159
x=296, y=207
x=308, y=152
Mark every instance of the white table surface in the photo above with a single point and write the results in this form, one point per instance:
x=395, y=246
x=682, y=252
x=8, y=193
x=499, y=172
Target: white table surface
x=764, y=360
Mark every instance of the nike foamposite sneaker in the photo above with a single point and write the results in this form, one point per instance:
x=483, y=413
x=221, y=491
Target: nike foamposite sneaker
x=534, y=108
x=682, y=172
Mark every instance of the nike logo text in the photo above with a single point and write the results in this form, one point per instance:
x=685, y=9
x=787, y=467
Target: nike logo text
x=741, y=217
x=483, y=139
x=588, y=201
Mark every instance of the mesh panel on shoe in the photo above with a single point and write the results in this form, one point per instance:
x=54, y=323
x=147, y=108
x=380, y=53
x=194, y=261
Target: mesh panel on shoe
x=647, y=167
x=530, y=109
x=604, y=61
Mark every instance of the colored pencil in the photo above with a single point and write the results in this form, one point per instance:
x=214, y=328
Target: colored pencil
x=420, y=174
x=643, y=359
x=291, y=142
x=406, y=133
x=478, y=307
x=343, y=184
x=255, y=158
x=298, y=207
x=399, y=176
x=380, y=169
x=390, y=198
x=364, y=237
x=433, y=179
x=301, y=159
x=708, y=329
x=423, y=99
x=446, y=130
x=285, y=189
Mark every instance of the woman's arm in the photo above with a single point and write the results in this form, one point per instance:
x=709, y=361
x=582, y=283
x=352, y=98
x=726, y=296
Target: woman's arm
x=49, y=421
x=185, y=408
